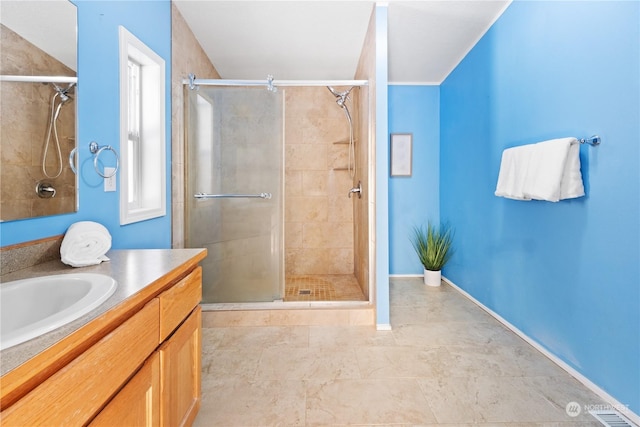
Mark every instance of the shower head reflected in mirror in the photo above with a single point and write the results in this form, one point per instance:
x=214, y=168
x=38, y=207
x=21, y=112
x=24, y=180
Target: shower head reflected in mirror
x=64, y=93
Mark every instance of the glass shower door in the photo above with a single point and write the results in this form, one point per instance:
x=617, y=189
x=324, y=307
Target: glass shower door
x=234, y=154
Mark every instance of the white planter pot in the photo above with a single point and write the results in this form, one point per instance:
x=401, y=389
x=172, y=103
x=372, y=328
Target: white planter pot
x=432, y=278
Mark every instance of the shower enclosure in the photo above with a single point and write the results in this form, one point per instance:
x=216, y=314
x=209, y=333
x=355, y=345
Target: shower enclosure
x=268, y=180
x=235, y=191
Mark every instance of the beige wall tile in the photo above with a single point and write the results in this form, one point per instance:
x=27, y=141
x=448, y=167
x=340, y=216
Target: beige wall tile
x=293, y=183
x=341, y=209
x=306, y=209
x=305, y=157
x=319, y=261
x=328, y=235
x=293, y=234
x=315, y=183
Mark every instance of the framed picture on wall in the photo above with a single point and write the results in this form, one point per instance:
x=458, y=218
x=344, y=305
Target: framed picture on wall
x=401, y=154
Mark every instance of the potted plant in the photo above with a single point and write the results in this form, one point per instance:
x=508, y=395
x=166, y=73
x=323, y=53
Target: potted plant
x=434, y=246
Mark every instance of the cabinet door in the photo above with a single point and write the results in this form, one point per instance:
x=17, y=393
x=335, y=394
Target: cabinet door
x=75, y=394
x=180, y=373
x=138, y=403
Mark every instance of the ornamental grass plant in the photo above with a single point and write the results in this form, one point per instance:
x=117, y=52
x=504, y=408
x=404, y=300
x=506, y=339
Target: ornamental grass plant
x=434, y=245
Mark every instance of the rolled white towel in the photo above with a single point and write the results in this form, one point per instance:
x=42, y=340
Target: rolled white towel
x=85, y=243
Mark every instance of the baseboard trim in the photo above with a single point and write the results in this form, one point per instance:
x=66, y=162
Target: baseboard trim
x=562, y=364
x=383, y=327
x=400, y=276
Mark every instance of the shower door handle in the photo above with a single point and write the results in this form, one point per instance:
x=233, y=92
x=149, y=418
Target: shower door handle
x=266, y=196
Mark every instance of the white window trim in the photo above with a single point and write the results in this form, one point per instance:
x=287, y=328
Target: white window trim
x=152, y=188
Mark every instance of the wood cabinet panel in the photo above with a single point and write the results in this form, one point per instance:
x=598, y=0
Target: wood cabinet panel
x=74, y=394
x=176, y=303
x=138, y=403
x=180, y=364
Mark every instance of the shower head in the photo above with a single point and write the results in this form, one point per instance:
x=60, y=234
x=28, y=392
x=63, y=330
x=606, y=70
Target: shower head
x=64, y=94
x=341, y=97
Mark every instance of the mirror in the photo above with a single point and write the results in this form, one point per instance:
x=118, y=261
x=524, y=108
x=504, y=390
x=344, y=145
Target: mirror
x=38, y=108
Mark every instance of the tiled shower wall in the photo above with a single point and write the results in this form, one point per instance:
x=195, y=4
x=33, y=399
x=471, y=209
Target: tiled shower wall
x=318, y=213
x=364, y=208
x=25, y=116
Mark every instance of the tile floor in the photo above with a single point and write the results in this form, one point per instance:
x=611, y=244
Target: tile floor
x=446, y=362
x=323, y=287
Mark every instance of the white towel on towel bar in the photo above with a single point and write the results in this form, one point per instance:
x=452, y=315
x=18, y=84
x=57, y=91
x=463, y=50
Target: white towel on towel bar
x=548, y=170
x=85, y=243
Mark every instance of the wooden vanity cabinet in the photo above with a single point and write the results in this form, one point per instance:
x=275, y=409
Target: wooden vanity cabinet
x=146, y=372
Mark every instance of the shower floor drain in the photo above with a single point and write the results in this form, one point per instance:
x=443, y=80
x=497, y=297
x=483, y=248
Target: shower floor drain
x=304, y=292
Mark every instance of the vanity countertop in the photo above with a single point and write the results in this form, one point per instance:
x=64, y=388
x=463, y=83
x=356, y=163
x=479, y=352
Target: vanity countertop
x=141, y=275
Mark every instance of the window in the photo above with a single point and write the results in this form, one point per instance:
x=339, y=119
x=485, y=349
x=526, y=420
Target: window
x=142, y=131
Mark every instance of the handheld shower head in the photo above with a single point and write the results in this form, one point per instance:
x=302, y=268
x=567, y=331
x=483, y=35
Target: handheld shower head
x=64, y=94
x=341, y=100
x=341, y=97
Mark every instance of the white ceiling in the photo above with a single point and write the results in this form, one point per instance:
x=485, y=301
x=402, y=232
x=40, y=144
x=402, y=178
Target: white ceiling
x=48, y=24
x=322, y=40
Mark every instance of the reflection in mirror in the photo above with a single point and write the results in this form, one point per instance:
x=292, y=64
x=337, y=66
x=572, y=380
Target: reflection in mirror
x=37, y=108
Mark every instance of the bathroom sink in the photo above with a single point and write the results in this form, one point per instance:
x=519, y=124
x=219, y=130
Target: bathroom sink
x=32, y=307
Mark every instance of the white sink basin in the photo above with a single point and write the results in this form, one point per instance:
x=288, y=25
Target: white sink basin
x=32, y=307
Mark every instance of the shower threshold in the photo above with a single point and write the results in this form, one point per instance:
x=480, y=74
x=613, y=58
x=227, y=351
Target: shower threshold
x=282, y=305
x=294, y=313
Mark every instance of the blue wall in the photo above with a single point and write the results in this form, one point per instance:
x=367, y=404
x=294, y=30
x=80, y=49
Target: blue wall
x=567, y=274
x=98, y=115
x=414, y=200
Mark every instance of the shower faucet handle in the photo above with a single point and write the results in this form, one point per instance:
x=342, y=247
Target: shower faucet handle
x=357, y=189
x=44, y=190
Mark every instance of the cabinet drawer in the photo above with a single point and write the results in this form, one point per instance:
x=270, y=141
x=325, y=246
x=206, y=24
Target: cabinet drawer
x=73, y=395
x=176, y=303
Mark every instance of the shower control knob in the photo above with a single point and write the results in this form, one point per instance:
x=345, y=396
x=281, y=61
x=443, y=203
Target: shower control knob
x=357, y=189
x=45, y=190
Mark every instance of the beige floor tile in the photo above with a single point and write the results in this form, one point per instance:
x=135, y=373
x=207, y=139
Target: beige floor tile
x=341, y=336
x=307, y=363
x=489, y=399
x=563, y=389
x=459, y=310
x=409, y=315
x=453, y=333
x=401, y=362
x=511, y=424
x=396, y=401
x=446, y=363
x=211, y=338
x=252, y=338
x=495, y=360
x=251, y=403
x=230, y=364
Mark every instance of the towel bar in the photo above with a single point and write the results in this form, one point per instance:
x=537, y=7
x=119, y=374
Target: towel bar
x=593, y=141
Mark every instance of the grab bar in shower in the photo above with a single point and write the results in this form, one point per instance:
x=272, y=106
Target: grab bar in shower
x=232, y=196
